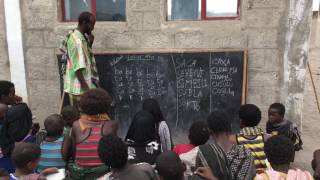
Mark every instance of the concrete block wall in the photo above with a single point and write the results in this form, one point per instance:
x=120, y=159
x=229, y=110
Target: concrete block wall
x=147, y=29
x=4, y=60
x=259, y=30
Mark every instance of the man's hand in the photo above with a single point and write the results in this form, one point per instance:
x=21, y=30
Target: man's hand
x=83, y=83
x=95, y=82
x=90, y=39
x=206, y=173
x=85, y=87
x=18, y=99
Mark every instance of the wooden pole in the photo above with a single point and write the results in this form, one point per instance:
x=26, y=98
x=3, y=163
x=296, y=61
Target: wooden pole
x=62, y=102
x=314, y=87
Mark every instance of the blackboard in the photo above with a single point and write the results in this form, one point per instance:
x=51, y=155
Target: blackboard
x=187, y=85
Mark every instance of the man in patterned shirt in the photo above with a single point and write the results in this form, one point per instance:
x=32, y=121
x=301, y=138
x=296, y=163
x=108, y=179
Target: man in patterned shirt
x=81, y=71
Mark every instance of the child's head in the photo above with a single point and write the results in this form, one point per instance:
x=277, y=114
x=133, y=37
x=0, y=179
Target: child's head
x=69, y=115
x=4, y=175
x=279, y=151
x=250, y=115
x=95, y=101
x=26, y=156
x=198, y=133
x=54, y=125
x=113, y=152
x=218, y=122
x=152, y=106
x=276, y=112
x=169, y=166
x=7, y=92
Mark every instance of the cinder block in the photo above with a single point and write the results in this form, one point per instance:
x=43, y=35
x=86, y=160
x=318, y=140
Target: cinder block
x=226, y=39
x=40, y=5
x=33, y=38
x=37, y=20
x=143, y=5
x=156, y=39
x=39, y=56
x=54, y=38
x=124, y=40
x=151, y=20
x=260, y=18
x=265, y=3
x=272, y=60
x=263, y=38
x=261, y=78
x=256, y=58
x=4, y=64
x=188, y=39
x=135, y=20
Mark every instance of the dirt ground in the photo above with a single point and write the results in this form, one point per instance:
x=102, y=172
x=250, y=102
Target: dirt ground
x=311, y=114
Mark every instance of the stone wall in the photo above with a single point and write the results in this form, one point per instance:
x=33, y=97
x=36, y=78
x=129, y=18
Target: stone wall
x=4, y=61
x=146, y=29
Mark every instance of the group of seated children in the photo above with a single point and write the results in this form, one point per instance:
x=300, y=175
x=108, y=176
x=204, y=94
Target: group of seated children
x=87, y=146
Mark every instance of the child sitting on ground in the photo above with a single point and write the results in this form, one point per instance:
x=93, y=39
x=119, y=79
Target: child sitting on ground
x=69, y=114
x=251, y=136
x=277, y=125
x=113, y=153
x=169, y=166
x=88, y=130
x=25, y=157
x=198, y=135
x=52, y=148
x=280, y=153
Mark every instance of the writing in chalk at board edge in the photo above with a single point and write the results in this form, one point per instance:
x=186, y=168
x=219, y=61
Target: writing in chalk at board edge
x=140, y=58
x=116, y=60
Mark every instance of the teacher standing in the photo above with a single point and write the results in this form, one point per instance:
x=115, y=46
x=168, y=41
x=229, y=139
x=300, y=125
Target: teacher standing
x=81, y=71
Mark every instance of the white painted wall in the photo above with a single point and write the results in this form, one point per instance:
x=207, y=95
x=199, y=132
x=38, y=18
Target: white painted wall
x=316, y=4
x=15, y=47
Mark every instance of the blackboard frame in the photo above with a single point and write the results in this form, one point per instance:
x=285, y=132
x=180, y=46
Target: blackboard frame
x=192, y=50
x=174, y=51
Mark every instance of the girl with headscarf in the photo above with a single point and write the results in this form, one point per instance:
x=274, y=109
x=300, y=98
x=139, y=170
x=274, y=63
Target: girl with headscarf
x=152, y=106
x=142, y=139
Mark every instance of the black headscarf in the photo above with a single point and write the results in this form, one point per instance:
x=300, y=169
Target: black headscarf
x=143, y=128
x=152, y=106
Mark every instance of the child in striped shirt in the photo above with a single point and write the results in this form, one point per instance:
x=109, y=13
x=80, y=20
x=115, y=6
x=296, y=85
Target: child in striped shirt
x=52, y=151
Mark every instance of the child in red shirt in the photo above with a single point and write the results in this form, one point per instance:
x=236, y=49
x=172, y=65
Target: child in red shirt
x=198, y=135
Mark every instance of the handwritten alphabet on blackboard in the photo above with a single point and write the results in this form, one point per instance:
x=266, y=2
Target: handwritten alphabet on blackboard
x=191, y=81
x=137, y=80
x=221, y=73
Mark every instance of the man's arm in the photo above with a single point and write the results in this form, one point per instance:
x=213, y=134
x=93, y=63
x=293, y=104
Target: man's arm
x=83, y=83
x=77, y=57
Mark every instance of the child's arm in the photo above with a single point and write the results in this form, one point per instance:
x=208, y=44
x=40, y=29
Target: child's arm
x=67, y=148
x=110, y=127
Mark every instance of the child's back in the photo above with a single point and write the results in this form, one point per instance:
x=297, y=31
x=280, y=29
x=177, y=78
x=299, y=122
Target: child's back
x=52, y=146
x=251, y=136
x=51, y=155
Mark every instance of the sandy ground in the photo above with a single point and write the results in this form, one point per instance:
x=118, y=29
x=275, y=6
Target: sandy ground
x=311, y=114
